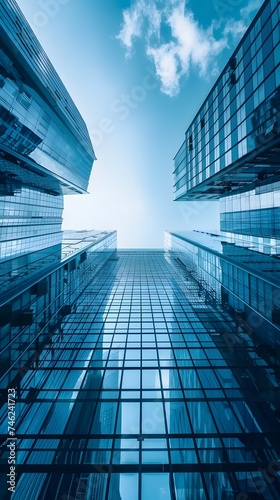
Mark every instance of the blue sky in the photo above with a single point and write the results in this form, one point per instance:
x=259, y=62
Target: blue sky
x=138, y=72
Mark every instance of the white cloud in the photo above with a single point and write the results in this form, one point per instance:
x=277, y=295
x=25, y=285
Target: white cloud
x=154, y=22
x=189, y=46
x=166, y=62
x=194, y=45
x=235, y=28
x=132, y=25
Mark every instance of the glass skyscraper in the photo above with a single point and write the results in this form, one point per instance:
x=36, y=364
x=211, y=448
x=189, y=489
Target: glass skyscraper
x=231, y=154
x=141, y=395
x=45, y=152
x=242, y=276
x=232, y=144
x=41, y=128
x=45, y=149
x=36, y=298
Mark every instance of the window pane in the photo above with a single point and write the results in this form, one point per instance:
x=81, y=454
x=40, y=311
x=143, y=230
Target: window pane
x=155, y=486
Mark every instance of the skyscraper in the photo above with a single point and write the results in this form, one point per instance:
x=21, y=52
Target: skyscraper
x=232, y=145
x=45, y=152
x=231, y=153
x=240, y=275
x=44, y=144
x=144, y=397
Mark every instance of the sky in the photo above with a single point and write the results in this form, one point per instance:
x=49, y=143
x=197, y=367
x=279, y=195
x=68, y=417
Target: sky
x=138, y=71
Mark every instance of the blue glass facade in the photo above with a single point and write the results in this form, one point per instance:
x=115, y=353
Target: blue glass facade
x=38, y=290
x=45, y=152
x=30, y=221
x=232, y=144
x=255, y=213
x=239, y=274
x=144, y=394
x=231, y=153
x=39, y=123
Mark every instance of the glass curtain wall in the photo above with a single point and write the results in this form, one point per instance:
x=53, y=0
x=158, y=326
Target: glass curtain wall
x=142, y=395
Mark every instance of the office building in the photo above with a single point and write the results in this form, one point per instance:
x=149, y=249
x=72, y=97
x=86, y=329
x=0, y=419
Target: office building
x=232, y=144
x=231, y=153
x=45, y=153
x=240, y=275
x=41, y=293
x=45, y=149
x=141, y=396
x=40, y=125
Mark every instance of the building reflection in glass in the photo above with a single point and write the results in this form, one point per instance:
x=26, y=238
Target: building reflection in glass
x=141, y=395
x=232, y=144
x=237, y=273
x=37, y=292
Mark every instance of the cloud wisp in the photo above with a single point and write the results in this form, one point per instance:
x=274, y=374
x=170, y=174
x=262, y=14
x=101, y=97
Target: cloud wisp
x=187, y=46
x=237, y=28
